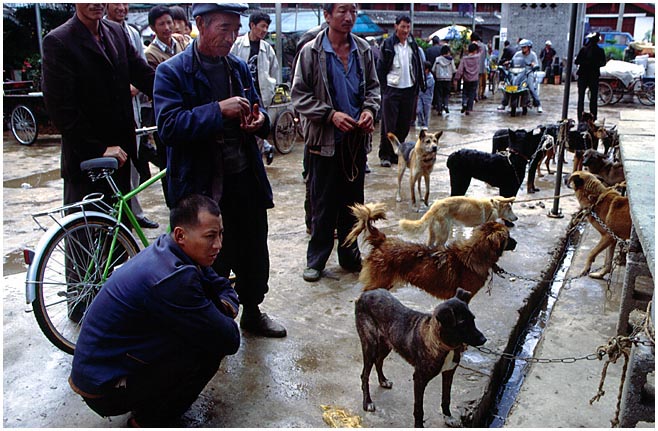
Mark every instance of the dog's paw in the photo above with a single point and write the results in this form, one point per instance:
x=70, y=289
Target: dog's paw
x=598, y=275
x=369, y=407
x=452, y=421
x=386, y=384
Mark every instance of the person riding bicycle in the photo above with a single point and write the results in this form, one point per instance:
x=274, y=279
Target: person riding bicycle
x=158, y=329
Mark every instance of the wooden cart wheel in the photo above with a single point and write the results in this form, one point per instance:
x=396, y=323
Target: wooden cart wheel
x=24, y=125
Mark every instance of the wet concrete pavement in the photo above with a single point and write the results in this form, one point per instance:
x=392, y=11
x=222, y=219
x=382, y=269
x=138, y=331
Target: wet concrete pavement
x=283, y=383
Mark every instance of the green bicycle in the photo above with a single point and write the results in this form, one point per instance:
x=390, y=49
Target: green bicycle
x=79, y=252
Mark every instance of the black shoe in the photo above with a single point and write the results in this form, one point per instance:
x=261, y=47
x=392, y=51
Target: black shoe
x=385, y=164
x=354, y=267
x=269, y=156
x=259, y=323
x=311, y=274
x=463, y=109
x=446, y=110
x=367, y=171
x=146, y=223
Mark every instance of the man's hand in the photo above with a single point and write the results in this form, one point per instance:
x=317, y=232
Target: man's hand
x=366, y=122
x=117, y=153
x=134, y=91
x=343, y=122
x=235, y=107
x=254, y=121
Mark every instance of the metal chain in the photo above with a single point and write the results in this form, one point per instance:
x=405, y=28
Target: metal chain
x=625, y=243
x=510, y=357
x=601, y=352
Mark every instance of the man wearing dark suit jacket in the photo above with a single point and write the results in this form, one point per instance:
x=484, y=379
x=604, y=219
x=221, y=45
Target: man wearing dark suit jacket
x=88, y=66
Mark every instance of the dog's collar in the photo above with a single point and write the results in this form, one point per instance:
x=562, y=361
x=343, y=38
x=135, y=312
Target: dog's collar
x=443, y=347
x=513, y=151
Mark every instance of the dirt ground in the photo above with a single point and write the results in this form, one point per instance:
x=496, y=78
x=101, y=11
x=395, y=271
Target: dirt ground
x=284, y=383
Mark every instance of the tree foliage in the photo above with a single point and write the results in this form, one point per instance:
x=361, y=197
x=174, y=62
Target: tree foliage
x=20, y=41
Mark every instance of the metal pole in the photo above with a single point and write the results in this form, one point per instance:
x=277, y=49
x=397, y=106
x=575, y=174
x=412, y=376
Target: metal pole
x=475, y=8
x=279, y=42
x=37, y=13
x=620, y=18
x=555, y=212
x=411, y=12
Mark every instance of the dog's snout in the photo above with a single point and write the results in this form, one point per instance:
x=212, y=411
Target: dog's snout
x=511, y=244
x=477, y=338
x=434, y=148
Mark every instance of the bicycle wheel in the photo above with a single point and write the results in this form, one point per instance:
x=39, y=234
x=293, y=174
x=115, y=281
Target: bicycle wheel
x=24, y=125
x=69, y=274
x=605, y=93
x=285, y=132
x=618, y=91
x=646, y=93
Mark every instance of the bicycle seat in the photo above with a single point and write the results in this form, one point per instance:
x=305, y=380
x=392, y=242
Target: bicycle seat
x=100, y=163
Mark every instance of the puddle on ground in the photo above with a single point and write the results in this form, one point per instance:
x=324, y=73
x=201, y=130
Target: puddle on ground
x=33, y=181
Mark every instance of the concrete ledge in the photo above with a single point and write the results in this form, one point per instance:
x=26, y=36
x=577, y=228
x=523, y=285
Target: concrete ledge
x=637, y=129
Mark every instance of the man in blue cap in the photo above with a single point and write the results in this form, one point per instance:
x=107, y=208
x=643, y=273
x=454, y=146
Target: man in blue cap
x=208, y=114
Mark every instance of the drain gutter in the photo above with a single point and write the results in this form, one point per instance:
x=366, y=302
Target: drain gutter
x=507, y=376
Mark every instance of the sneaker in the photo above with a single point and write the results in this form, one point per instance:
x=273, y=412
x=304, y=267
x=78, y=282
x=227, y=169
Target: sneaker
x=259, y=323
x=385, y=164
x=539, y=110
x=500, y=108
x=463, y=108
x=311, y=274
x=467, y=112
x=367, y=170
x=446, y=110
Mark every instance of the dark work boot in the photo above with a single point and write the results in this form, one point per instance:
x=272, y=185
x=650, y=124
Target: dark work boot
x=257, y=323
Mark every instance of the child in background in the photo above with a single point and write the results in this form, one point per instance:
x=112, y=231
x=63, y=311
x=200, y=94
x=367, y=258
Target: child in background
x=443, y=69
x=424, y=105
x=469, y=70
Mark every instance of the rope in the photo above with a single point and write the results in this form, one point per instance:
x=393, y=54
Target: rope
x=545, y=198
x=617, y=347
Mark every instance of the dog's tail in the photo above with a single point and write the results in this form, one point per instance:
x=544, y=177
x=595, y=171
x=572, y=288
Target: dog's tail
x=416, y=226
x=394, y=142
x=365, y=216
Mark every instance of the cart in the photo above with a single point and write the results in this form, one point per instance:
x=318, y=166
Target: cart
x=25, y=112
x=285, y=126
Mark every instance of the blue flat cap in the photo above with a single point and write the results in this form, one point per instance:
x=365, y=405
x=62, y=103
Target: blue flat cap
x=202, y=8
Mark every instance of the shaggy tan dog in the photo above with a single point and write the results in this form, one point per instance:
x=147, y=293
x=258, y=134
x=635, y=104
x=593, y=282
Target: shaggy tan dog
x=439, y=272
x=459, y=209
x=611, y=207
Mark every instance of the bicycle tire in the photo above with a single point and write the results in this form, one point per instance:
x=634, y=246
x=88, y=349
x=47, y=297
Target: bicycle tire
x=285, y=132
x=24, y=125
x=605, y=93
x=647, y=93
x=82, y=244
x=618, y=91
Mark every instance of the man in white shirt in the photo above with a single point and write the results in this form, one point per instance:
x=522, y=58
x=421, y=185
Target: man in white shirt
x=401, y=70
x=263, y=65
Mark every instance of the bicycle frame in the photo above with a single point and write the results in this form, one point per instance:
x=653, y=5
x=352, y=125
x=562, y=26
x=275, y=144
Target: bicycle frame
x=113, y=215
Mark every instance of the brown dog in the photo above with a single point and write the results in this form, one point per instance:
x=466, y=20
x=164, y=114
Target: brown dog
x=431, y=343
x=463, y=210
x=611, y=207
x=599, y=164
x=419, y=158
x=463, y=263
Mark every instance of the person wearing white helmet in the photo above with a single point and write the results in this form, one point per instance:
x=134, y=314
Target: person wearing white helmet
x=528, y=57
x=546, y=56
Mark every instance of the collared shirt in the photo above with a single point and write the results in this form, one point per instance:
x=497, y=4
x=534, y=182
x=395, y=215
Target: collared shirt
x=345, y=85
x=402, y=62
x=171, y=50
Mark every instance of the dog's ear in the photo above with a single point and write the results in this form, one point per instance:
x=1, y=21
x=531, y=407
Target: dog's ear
x=445, y=315
x=464, y=295
x=421, y=135
x=438, y=135
x=577, y=180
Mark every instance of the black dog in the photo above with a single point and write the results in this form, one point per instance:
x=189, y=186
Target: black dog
x=431, y=343
x=503, y=170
